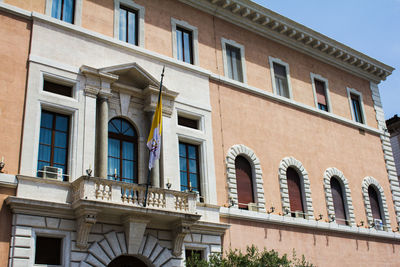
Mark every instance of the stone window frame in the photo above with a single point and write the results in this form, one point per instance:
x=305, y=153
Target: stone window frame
x=140, y=10
x=195, y=39
x=305, y=185
x=348, y=202
x=195, y=246
x=273, y=60
x=359, y=94
x=247, y=153
x=371, y=181
x=224, y=42
x=65, y=244
x=77, y=11
x=324, y=80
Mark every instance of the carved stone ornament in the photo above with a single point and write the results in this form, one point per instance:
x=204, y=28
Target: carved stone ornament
x=179, y=233
x=85, y=221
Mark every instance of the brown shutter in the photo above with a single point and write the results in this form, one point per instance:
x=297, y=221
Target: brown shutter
x=374, y=201
x=294, y=185
x=338, y=202
x=244, y=182
x=320, y=90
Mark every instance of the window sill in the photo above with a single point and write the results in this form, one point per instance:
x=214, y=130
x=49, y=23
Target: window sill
x=234, y=213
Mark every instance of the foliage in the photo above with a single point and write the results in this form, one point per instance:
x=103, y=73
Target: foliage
x=252, y=258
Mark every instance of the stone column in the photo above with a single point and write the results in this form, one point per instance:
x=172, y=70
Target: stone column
x=101, y=136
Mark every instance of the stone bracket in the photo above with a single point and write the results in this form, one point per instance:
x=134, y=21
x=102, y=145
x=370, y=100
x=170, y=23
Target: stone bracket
x=179, y=232
x=86, y=218
x=134, y=232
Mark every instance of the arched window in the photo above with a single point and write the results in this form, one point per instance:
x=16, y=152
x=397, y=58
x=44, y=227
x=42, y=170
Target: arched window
x=244, y=182
x=374, y=201
x=122, y=151
x=295, y=192
x=338, y=201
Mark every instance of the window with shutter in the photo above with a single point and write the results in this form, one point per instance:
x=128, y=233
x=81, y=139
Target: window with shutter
x=321, y=95
x=281, y=81
x=374, y=201
x=338, y=202
x=244, y=182
x=295, y=192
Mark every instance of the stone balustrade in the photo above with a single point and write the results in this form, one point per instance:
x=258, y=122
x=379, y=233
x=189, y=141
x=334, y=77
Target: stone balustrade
x=98, y=189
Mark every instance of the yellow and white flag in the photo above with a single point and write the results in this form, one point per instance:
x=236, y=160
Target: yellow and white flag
x=154, y=140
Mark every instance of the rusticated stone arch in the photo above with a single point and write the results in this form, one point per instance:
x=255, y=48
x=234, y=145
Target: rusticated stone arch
x=369, y=180
x=298, y=166
x=349, y=209
x=113, y=245
x=242, y=150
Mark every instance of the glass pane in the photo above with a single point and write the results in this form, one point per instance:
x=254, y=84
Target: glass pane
x=60, y=139
x=45, y=136
x=117, y=124
x=113, y=148
x=44, y=153
x=229, y=62
x=238, y=64
x=182, y=164
x=126, y=127
x=193, y=180
x=179, y=44
x=127, y=169
x=113, y=166
x=62, y=123
x=59, y=155
x=183, y=179
x=56, y=9
x=182, y=150
x=193, y=166
x=187, y=48
x=234, y=65
x=128, y=150
x=122, y=25
x=68, y=12
x=46, y=120
x=111, y=128
x=192, y=152
x=131, y=28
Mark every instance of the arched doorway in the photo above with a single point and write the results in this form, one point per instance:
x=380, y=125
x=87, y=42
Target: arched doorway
x=127, y=261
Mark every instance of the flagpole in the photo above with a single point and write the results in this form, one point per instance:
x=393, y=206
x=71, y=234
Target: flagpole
x=149, y=172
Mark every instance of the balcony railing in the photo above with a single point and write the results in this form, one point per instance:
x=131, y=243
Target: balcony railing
x=115, y=192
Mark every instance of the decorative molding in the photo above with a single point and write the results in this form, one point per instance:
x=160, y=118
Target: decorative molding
x=348, y=203
x=86, y=218
x=305, y=182
x=387, y=150
x=179, y=233
x=267, y=23
x=242, y=150
x=370, y=181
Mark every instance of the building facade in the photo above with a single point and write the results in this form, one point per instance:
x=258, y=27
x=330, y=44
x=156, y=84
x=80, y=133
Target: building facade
x=273, y=135
x=393, y=126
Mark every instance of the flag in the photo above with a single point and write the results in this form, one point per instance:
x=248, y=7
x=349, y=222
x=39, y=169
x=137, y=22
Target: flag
x=154, y=140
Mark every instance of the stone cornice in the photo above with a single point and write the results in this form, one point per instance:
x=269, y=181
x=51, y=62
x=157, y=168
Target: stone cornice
x=295, y=35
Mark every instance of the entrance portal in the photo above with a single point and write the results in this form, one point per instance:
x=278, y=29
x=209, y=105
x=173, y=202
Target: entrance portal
x=127, y=261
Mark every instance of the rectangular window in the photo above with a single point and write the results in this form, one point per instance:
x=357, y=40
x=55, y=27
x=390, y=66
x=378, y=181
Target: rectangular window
x=281, y=82
x=63, y=10
x=186, y=122
x=189, y=167
x=234, y=61
x=194, y=253
x=57, y=88
x=356, y=105
x=184, y=44
x=128, y=25
x=53, y=142
x=320, y=90
x=48, y=250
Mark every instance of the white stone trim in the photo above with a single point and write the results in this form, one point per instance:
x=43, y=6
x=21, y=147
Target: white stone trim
x=370, y=181
x=195, y=39
x=140, y=9
x=77, y=11
x=258, y=188
x=273, y=60
x=359, y=94
x=348, y=203
x=305, y=185
x=65, y=245
x=387, y=150
x=225, y=41
x=322, y=79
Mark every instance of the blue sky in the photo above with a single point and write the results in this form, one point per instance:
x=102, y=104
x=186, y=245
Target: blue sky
x=369, y=26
